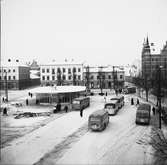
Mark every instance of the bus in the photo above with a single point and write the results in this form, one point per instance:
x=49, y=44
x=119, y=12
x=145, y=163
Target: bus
x=80, y=103
x=120, y=99
x=129, y=90
x=112, y=107
x=98, y=120
x=143, y=114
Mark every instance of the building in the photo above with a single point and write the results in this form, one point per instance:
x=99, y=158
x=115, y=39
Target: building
x=64, y=73
x=14, y=75
x=151, y=62
x=106, y=77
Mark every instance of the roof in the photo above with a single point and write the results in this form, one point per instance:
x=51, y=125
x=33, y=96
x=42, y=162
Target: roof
x=144, y=107
x=111, y=102
x=116, y=97
x=80, y=98
x=13, y=63
x=98, y=112
x=57, y=89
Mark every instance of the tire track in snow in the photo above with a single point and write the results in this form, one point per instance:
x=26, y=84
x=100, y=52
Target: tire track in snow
x=58, y=151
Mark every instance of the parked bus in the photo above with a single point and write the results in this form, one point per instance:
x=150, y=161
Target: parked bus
x=80, y=103
x=120, y=99
x=143, y=114
x=112, y=107
x=98, y=120
x=130, y=90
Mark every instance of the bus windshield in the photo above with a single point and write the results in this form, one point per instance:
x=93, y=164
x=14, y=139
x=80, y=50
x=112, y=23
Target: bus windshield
x=110, y=106
x=76, y=102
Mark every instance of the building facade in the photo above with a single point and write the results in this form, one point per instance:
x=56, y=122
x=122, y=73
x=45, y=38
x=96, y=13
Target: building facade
x=66, y=73
x=94, y=77
x=151, y=62
x=13, y=75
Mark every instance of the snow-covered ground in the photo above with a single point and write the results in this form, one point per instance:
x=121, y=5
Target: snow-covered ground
x=67, y=140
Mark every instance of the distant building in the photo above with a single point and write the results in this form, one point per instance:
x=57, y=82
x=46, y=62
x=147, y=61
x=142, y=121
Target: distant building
x=151, y=62
x=14, y=75
x=64, y=73
x=106, y=76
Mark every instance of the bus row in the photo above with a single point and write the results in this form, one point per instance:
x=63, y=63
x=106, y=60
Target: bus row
x=114, y=104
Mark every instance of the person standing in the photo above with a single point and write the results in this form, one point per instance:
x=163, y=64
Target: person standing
x=66, y=109
x=26, y=101
x=132, y=102
x=5, y=111
x=137, y=102
x=153, y=110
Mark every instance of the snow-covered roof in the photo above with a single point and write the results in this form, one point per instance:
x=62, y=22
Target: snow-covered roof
x=13, y=63
x=58, y=89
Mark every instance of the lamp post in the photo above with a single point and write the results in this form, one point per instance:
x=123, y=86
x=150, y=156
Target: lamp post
x=159, y=95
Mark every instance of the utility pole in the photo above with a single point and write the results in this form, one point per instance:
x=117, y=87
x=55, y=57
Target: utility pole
x=159, y=95
x=87, y=79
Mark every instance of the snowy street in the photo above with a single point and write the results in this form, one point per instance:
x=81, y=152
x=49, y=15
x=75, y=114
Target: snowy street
x=59, y=141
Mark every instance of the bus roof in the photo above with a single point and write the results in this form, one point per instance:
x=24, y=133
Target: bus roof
x=98, y=112
x=111, y=102
x=116, y=97
x=144, y=107
x=80, y=98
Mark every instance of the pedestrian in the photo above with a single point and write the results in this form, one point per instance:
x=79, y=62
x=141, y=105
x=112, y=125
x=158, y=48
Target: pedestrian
x=153, y=109
x=106, y=93
x=5, y=111
x=66, y=108
x=3, y=99
x=26, y=101
x=81, y=112
x=31, y=95
x=132, y=102
x=137, y=102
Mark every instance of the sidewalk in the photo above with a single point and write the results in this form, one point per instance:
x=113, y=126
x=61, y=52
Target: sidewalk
x=33, y=146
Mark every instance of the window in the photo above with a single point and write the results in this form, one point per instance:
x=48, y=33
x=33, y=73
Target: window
x=9, y=78
x=109, y=76
x=69, y=70
x=74, y=70
x=4, y=77
x=53, y=77
x=14, y=77
x=43, y=70
x=9, y=70
x=79, y=77
x=47, y=77
x=47, y=70
x=92, y=77
x=13, y=70
x=103, y=77
x=64, y=77
x=64, y=70
x=53, y=71
x=0, y=70
x=4, y=70
x=79, y=69
x=97, y=77
x=121, y=76
x=43, y=77
x=69, y=77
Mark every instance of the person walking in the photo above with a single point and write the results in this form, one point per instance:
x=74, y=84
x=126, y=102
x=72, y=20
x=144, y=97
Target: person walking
x=132, y=102
x=26, y=101
x=153, y=110
x=137, y=102
x=81, y=112
x=5, y=111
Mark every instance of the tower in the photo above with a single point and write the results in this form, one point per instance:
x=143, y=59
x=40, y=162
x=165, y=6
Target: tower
x=146, y=47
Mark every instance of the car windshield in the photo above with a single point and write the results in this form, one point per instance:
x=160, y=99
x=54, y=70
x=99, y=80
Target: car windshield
x=95, y=119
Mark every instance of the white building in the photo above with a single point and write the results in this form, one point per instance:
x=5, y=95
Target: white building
x=64, y=73
x=14, y=75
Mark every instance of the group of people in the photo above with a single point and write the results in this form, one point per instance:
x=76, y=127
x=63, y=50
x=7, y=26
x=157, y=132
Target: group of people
x=137, y=101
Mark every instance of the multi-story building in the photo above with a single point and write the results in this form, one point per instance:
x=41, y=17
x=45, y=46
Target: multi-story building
x=107, y=77
x=14, y=75
x=64, y=73
x=151, y=62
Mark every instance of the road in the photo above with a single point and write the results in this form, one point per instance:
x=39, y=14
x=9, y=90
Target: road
x=117, y=144
x=67, y=140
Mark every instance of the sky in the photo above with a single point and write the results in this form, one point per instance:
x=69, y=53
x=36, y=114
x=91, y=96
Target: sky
x=103, y=32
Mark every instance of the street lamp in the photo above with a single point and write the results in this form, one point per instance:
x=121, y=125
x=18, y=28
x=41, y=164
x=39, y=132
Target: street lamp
x=159, y=94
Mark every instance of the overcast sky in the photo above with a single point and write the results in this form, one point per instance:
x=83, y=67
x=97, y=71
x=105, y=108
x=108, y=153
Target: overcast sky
x=94, y=31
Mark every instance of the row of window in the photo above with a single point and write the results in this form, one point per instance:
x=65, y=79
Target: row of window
x=9, y=70
x=47, y=70
x=9, y=77
x=109, y=77
x=62, y=78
